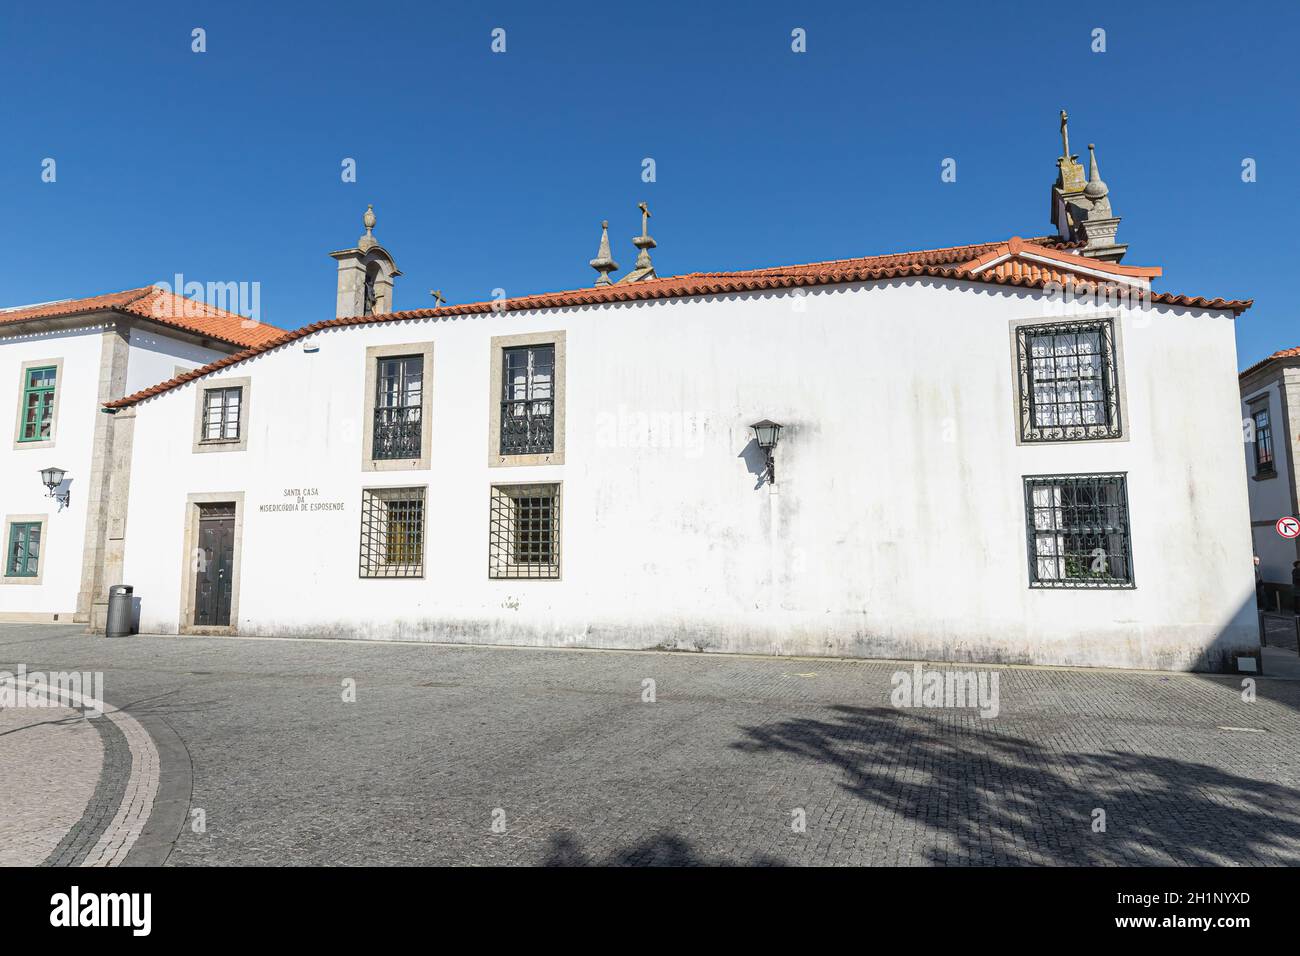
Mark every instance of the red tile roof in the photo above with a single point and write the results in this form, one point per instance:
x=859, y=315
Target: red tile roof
x=948, y=263
x=1285, y=353
x=151, y=302
x=1029, y=258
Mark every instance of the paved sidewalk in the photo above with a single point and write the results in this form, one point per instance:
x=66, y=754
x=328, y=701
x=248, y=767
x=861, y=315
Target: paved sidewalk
x=482, y=756
x=51, y=759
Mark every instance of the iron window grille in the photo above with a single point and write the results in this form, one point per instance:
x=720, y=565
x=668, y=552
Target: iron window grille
x=528, y=400
x=1069, y=388
x=38, y=403
x=399, y=395
x=221, y=413
x=1263, y=442
x=22, y=560
x=1078, y=531
x=524, y=531
x=392, y=533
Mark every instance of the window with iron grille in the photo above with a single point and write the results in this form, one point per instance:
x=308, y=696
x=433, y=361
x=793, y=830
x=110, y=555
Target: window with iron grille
x=1069, y=389
x=38, y=404
x=221, y=414
x=392, y=533
x=1078, y=527
x=22, y=559
x=524, y=531
x=528, y=400
x=399, y=392
x=1263, y=442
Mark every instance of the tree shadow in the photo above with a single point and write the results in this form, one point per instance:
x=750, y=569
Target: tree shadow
x=662, y=849
x=991, y=798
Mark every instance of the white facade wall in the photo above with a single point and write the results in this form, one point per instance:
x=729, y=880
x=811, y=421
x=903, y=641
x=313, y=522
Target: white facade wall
x=81, y=354
x=21, y=490
x=155, y=358
x=896, y=528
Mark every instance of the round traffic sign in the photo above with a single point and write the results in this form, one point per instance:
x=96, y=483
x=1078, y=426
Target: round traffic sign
x=1288, y=527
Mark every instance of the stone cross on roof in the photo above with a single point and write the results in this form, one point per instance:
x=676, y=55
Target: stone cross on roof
x=644, y=268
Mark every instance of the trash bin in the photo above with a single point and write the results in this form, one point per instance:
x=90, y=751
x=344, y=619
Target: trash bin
x=119, y=611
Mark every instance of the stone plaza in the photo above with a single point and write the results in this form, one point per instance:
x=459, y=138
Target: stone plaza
x=329, y=752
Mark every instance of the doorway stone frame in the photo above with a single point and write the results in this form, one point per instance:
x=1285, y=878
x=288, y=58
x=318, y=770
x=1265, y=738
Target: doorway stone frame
x=192, y=502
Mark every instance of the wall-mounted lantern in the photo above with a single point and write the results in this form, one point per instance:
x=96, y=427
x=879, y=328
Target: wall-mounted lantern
x=767, y=434
x=53, y=477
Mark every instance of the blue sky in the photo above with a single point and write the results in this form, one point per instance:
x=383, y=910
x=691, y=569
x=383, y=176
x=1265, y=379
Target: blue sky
x=494, y=170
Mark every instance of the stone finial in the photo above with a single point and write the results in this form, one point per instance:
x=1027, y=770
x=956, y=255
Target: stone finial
x=1096, y=188
x=604, y=262
x=368, y=241
x=439, y=300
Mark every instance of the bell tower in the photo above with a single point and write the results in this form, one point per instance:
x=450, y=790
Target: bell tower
x=366, y=275
x=1081, y=209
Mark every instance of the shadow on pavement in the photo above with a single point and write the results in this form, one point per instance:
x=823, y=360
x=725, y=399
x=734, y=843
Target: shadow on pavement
x=990, y=798
x=664, y=849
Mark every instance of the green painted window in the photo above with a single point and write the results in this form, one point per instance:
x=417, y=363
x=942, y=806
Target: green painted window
x=38, y=404
x=23, y=557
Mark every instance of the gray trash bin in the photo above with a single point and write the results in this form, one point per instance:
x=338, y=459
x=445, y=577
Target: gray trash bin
x=119, y=611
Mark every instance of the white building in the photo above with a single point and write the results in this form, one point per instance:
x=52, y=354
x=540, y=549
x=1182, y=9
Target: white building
x=1270, y=410
x=990, y=453
x=59, y=363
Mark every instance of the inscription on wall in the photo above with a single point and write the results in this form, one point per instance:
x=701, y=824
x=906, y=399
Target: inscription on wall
x=303, y=500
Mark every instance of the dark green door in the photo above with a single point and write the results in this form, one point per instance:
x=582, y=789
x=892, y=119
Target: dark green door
x=214, y=576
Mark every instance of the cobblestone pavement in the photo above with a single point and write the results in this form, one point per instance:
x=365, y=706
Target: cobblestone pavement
x=50, y=763
x=469, y=755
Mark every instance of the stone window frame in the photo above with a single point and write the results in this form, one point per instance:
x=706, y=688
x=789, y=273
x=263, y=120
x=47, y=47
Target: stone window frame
x=497, y=347
x=371, y=570
x=19, y=444
x=506, y=569
x=1027, y=433
x=10, y=520
x=191, y=525
x=203, y=445
x=1117, y=480
x=373, y=354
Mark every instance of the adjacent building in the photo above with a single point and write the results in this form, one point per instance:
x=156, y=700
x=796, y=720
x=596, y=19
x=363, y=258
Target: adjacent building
x=59, y=363
x=1270, y=410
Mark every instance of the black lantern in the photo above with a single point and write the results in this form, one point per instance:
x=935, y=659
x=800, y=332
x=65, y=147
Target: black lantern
x=53, y=478
x=767, y=433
